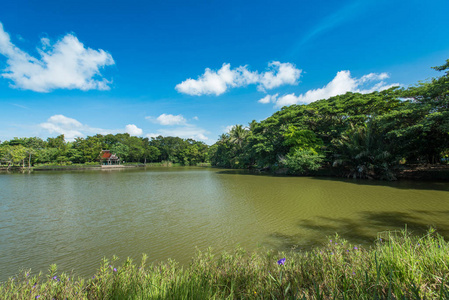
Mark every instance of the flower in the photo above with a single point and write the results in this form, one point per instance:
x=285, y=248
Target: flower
x=37, y=297
x=115, y=270
x=55, y=277
x=281, y=262
x=355, y=248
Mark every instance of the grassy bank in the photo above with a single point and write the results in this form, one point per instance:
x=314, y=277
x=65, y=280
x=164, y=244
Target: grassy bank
x=396, y=266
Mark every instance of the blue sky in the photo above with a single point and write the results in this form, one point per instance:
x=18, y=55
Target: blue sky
x=194, y=68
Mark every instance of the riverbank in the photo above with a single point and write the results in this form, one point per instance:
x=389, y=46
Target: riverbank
x=396, y=266
x=78, y=167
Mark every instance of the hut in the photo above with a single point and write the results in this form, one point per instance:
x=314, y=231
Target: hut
x=107, y=158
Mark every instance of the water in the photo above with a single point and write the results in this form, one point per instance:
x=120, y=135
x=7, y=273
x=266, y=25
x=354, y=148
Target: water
x=74, y=219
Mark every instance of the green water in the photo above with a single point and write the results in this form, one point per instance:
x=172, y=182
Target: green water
x=74, y=219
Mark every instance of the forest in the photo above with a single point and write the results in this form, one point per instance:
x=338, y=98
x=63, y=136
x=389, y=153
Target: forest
x=34, y=150
x=355, y=135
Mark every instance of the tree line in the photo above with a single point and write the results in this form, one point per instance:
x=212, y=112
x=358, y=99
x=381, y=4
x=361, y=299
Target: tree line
x=34, y=150
x=358, y=135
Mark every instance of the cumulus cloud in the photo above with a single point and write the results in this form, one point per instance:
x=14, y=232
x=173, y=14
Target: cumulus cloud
x=186, y=132
x=268, y=99
x=71, y=128
x=218, y=82
x=66, y=64
x=168, y=119
x=133, y=129
x=341, y=84
x=61, y=124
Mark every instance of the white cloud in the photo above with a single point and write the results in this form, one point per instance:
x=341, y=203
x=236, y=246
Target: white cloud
x=66, y=64
x=341, y=84
x=61, y=124
x=186, y=132
x=168, y=119
x=195, y=118
x=218, y=82
x=281, y=74
x=268, y=99
x=71, y=128
x=133, y=129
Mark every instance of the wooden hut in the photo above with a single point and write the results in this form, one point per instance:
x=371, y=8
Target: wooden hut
x=107, y=158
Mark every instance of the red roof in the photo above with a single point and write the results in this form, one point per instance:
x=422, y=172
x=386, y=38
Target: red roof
x=106, y=154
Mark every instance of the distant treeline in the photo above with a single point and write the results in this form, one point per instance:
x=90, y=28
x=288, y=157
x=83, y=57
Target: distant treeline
x=357, y=135
x=34, y=150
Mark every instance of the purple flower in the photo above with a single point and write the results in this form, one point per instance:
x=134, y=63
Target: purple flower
x=281, y=262
x=38, y=296
x=336, y=243
x=347, y=250
x=355, y=248
x=330, y=241
x=353, y=273
x=55, y=277
x=93, y=277
x=115, y=270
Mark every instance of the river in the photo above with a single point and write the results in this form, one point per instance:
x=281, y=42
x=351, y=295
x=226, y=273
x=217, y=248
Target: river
x=74, y=219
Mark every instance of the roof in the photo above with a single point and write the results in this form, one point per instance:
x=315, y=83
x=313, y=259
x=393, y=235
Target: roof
x=105, y=154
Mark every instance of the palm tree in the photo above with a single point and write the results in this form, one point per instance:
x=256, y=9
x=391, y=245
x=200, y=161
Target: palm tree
x=238, y=134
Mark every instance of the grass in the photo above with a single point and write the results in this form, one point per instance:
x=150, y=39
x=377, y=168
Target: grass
x=397, y=266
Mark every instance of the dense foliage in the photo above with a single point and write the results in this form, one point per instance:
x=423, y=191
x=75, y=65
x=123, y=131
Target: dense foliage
x=358, y=135
x=397, y=266
x=31, y=151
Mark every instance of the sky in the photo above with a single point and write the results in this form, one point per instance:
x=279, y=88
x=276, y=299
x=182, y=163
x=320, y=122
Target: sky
x=194, y=69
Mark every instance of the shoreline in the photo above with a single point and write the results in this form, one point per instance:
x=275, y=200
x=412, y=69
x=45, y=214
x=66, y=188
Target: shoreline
x=409, y=172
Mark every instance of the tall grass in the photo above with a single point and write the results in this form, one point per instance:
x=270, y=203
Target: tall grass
x=397, y=266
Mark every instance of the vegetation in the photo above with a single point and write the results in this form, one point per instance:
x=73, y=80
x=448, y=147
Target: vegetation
x=356, y=135
x=56, y=151
x=397, y=266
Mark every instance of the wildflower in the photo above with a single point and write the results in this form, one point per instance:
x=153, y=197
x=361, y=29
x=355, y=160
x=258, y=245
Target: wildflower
x=93, y=277
x=336, y=243
x=115, y=270
x=355, y=248
x=330, y=241
x=38, y=296
x=353, y=273
x=347, y=250
x=281, y=261
x=55, y=277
